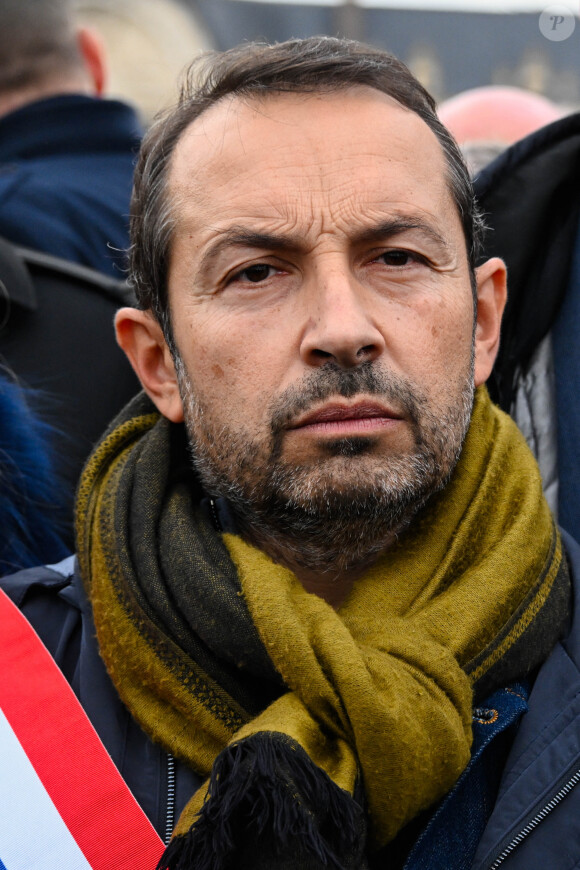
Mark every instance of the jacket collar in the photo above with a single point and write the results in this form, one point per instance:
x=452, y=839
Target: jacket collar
x=66, y=125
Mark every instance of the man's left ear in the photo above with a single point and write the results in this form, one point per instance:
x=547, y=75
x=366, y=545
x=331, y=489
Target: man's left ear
x=491, y=298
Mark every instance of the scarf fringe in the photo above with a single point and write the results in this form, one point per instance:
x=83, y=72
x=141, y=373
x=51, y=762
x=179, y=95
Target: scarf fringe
x=268, y=783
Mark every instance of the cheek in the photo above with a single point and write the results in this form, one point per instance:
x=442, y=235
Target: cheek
x=434, y=344
x=452, y=342
x=231, y=377
x=236, y=351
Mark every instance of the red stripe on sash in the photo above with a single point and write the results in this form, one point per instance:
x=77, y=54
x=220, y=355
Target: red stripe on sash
x=86, y=788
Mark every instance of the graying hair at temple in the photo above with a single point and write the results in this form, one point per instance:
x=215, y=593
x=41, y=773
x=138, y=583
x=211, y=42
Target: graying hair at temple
x=312, y=65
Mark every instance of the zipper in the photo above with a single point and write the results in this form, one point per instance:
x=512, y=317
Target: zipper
x=535, y=821
x=170, y=815
x=215, y=516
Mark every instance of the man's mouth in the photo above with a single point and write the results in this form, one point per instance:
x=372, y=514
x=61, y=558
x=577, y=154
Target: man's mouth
x=341, y=419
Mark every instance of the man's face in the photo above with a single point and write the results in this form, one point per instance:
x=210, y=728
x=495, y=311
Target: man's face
x=321, y=306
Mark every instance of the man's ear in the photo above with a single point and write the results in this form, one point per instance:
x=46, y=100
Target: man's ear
x=491, y=298
x=92, y=51
x=142, y=339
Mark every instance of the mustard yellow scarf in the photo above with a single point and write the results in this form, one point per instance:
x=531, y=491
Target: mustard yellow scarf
x=323, y=732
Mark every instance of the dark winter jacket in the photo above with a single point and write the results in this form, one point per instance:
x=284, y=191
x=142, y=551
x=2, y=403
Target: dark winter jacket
x=66, y=171
x=530, y=196
x=57, y=337
x=536, y=820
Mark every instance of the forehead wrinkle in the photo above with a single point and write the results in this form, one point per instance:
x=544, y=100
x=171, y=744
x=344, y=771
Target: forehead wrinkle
x=300, y=213
x=310, y=162
x=307, y=176
x=309, y=165
x=242, y=236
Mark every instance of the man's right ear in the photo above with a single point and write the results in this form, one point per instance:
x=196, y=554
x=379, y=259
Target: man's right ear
x=92, y=52
x=142, y=339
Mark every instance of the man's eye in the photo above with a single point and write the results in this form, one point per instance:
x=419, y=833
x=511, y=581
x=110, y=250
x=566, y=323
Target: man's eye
x=256, y=273
x=398, y=258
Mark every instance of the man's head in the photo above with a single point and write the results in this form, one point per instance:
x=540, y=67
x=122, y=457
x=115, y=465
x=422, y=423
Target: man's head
x=315, y=65
x=43, y=53
x=303, y=249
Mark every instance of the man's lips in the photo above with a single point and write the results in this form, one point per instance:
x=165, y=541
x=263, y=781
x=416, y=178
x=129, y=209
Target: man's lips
x=335, y=417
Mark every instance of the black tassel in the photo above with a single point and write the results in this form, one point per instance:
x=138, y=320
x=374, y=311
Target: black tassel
x=266, y=793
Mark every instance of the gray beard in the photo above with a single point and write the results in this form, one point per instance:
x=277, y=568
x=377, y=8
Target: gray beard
x=341, y=512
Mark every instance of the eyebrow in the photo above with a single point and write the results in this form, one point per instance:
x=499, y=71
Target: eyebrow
x=243, y=237
x=396, y=226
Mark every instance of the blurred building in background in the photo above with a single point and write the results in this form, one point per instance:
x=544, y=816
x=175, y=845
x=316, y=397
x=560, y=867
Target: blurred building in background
x=148, y=42
x=449, y=51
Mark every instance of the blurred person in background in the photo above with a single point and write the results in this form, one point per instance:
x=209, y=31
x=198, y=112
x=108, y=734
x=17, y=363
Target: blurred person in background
x=56, y=337
x=66, y=166
x=486, y=120
x=66, y=153
x=530, y=199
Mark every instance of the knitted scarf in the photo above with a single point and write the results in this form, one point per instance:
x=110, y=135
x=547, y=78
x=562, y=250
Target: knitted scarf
x=321, y=732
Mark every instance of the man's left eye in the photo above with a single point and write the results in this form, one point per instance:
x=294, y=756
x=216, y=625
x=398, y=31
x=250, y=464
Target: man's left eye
x=398, y=258
x=256, y=273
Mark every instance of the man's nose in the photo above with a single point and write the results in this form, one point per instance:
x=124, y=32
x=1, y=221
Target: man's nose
x=341, y=323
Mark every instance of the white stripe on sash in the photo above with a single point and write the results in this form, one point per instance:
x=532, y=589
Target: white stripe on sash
x=32, y=834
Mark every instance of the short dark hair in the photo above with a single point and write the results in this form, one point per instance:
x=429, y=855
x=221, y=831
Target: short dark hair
x=311, y=65
x=37, y=41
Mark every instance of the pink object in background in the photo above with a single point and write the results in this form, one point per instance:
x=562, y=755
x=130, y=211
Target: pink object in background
x=496, y=114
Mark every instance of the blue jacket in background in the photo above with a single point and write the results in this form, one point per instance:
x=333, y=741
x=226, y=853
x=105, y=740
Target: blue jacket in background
x=531, y=823
x=66, y=172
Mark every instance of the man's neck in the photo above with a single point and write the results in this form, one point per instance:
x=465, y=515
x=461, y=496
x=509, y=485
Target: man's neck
x=333, y=588
x=331, y=581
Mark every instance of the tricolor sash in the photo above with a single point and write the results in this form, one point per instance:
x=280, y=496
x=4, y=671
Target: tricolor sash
x=63, y=803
